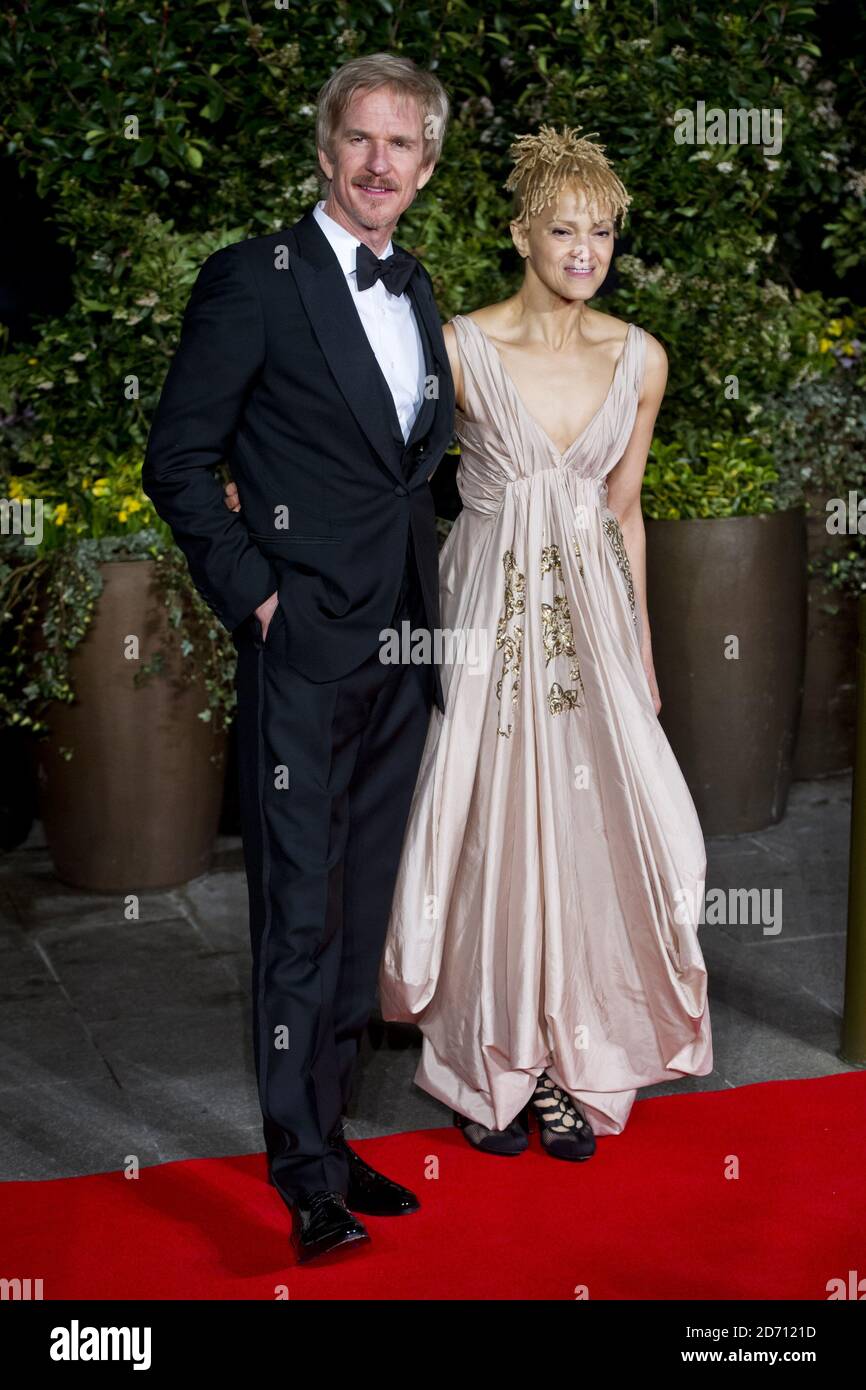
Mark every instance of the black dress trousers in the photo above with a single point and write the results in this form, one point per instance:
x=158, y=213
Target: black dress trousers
x=326, y=772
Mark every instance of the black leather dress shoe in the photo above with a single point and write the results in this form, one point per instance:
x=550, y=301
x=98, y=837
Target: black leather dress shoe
x=371, y=1192
x=322, y=1224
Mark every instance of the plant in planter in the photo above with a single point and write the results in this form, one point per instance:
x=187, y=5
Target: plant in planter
x=817, y=430
x=726, y=590
x=108, y=655
x=114, y=663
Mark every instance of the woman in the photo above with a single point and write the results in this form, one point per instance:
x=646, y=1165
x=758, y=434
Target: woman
x=543, y=934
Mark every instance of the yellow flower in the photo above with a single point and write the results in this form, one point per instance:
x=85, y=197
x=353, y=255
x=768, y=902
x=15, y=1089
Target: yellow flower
x=121, y=516
x=15, y=488
x=835, y=327
x=60, y=513
x=31, y=361
x=133, y=505
x=824, y=345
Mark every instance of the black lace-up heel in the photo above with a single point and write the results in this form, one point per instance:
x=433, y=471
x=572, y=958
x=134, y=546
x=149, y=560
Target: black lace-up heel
x=509, y=1141
x=565, y=1131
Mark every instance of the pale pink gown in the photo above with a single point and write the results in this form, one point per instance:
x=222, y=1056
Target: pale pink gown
x=546, y=909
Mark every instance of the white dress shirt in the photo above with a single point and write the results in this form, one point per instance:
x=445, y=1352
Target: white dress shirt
x=388, y=321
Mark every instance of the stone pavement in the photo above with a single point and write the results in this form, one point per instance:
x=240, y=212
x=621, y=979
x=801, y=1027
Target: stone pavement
x=121, y=1038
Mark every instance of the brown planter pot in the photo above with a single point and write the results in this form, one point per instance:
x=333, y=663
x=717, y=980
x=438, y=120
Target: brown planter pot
x=731, y=723
x=825, y=743
x=137, y=806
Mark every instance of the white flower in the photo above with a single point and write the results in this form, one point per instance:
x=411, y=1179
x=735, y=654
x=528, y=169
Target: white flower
x=725, y=167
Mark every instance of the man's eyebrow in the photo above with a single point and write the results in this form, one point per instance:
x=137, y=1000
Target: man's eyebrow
x=355, y=130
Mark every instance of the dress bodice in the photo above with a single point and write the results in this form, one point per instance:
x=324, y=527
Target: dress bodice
x=502, y=444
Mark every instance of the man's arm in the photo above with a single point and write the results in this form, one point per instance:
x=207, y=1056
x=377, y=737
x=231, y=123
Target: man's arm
x=222, y=346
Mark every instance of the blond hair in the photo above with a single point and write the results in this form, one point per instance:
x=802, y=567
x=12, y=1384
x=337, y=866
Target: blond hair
x=383, y=70
x=546, y=163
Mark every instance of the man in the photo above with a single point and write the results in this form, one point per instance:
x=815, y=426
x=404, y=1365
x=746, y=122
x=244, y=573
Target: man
x=313, y=360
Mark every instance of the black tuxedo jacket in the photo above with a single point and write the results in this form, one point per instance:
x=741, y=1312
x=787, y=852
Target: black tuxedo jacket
x=274, y=373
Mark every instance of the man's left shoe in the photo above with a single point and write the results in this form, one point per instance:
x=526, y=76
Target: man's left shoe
x=371, y=1193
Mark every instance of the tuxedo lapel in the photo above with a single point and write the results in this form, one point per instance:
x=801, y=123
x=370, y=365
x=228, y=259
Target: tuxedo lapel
x=426, y=410
x=437, y=406
x=340, y=334
x=425, y=306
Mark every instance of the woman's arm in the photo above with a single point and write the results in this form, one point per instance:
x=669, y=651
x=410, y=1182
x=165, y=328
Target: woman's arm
x=624, y=486
x=449, y=333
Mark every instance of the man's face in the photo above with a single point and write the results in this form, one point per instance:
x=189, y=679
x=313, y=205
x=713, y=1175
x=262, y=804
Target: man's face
x=377, y=164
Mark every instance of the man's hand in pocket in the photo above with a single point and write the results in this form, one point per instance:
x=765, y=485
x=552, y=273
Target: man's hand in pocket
x=265, y=612
x=230, y=497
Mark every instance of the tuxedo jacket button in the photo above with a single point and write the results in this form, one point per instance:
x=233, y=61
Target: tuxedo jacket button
x=400, y=491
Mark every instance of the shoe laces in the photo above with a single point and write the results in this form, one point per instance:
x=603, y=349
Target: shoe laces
x=317, y=1198
x=556, y=1109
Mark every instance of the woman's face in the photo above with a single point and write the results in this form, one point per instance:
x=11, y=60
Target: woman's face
x=568, y=249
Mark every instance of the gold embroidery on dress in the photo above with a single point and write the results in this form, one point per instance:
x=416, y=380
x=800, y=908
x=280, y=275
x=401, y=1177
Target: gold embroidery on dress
x=614, y=534
x=510, y=642
x=578, y=556
x=550, y=560
x=557, y=636
x=559, y=699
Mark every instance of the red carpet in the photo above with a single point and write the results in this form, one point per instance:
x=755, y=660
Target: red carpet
x=651, y=1215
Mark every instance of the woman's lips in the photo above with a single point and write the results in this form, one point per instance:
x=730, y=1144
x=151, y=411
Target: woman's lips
x=579, y=270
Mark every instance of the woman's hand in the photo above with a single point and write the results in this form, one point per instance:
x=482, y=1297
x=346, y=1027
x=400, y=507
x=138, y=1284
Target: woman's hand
x=230, y=497
x=649, y=668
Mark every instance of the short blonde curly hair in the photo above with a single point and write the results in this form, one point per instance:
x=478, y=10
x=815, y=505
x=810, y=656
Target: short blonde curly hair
x=546, y=163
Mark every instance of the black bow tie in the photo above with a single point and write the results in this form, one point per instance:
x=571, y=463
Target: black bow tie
x=395, y=271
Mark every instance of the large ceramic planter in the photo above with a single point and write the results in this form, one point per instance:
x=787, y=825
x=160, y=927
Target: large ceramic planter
x=825, y=742
x=137, y=806
x=732, y=723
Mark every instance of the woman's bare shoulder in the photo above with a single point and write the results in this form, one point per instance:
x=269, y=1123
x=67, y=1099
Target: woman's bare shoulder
x=607, y=327
x=656, y=357
x=488, y=317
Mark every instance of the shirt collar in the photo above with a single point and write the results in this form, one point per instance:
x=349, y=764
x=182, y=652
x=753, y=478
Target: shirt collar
x=343, y=243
